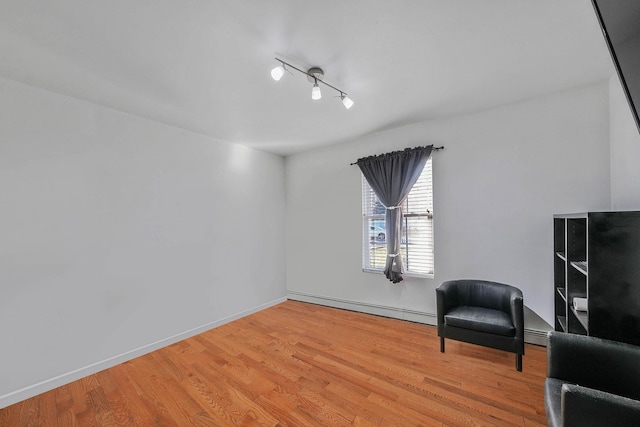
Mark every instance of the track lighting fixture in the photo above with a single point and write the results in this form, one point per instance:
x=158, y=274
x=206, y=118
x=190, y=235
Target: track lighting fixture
x=315, y=76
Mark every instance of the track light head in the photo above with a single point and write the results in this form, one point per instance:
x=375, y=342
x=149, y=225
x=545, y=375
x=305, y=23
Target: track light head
x=277, y=72
x=346, y=101
x=315, y=92
x=313, y=74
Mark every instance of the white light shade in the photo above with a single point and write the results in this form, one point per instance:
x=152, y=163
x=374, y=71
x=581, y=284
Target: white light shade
x=277, y=72
x=348, y=103
x=315, y=92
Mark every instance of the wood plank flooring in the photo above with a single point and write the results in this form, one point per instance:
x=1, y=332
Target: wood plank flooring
x=299, y=364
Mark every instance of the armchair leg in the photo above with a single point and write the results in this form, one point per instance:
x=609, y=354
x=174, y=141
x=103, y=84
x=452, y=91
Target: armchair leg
x=441, y=344
x=519, y=362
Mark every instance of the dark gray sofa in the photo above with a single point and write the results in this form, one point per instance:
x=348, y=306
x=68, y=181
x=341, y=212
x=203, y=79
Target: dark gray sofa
x=482, y=312
x=591, y=382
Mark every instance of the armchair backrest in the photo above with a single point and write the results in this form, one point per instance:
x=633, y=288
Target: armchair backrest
x=481, y=293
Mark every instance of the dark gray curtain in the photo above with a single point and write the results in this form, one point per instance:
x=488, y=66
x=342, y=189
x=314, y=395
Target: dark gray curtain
x=391, y=176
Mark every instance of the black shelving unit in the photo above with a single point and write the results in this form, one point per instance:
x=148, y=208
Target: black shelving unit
x=597, y=257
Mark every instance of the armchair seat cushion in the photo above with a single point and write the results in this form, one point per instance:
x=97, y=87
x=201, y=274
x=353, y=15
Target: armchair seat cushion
x=481, y=319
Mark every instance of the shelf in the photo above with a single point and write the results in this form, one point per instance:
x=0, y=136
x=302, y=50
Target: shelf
x=581, y=266
x=583, y=318
x=563, y=323
x=595, y=255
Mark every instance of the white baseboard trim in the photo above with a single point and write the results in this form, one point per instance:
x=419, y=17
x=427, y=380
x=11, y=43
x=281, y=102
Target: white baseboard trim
x=60, y=380
x=531, y=336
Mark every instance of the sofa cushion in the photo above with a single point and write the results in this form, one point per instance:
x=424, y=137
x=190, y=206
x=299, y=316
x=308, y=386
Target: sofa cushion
x=480, y=319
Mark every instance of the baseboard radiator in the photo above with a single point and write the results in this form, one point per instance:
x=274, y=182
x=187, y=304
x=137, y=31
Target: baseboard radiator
x=531, y=336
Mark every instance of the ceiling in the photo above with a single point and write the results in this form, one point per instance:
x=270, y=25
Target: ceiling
x=204, y=65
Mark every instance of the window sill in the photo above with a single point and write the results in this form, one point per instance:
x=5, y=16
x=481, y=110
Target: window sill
x=406, y=274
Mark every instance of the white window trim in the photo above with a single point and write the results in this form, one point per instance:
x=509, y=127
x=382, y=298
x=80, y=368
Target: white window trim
x=366, y=232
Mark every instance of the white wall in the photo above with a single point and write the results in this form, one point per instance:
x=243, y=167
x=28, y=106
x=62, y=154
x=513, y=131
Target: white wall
x=625, y=151
x=503, y=174
x=119, y=235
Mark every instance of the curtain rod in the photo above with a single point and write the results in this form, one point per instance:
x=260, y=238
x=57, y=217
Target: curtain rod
x=433, y=149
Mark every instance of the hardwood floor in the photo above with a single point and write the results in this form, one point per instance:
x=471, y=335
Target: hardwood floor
x=298, y=364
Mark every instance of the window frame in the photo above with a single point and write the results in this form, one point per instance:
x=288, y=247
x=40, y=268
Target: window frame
x=428, y=240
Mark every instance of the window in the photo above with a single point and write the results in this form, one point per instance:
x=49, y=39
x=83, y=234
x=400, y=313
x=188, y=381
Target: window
x=417, y=228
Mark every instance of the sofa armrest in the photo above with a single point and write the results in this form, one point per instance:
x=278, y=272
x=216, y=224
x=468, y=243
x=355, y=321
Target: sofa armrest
x=582, y=406
x=594, y=362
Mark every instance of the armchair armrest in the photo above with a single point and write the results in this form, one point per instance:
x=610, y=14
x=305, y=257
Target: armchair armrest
x=446, y=297
x=582, y=406
x=517, y=311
